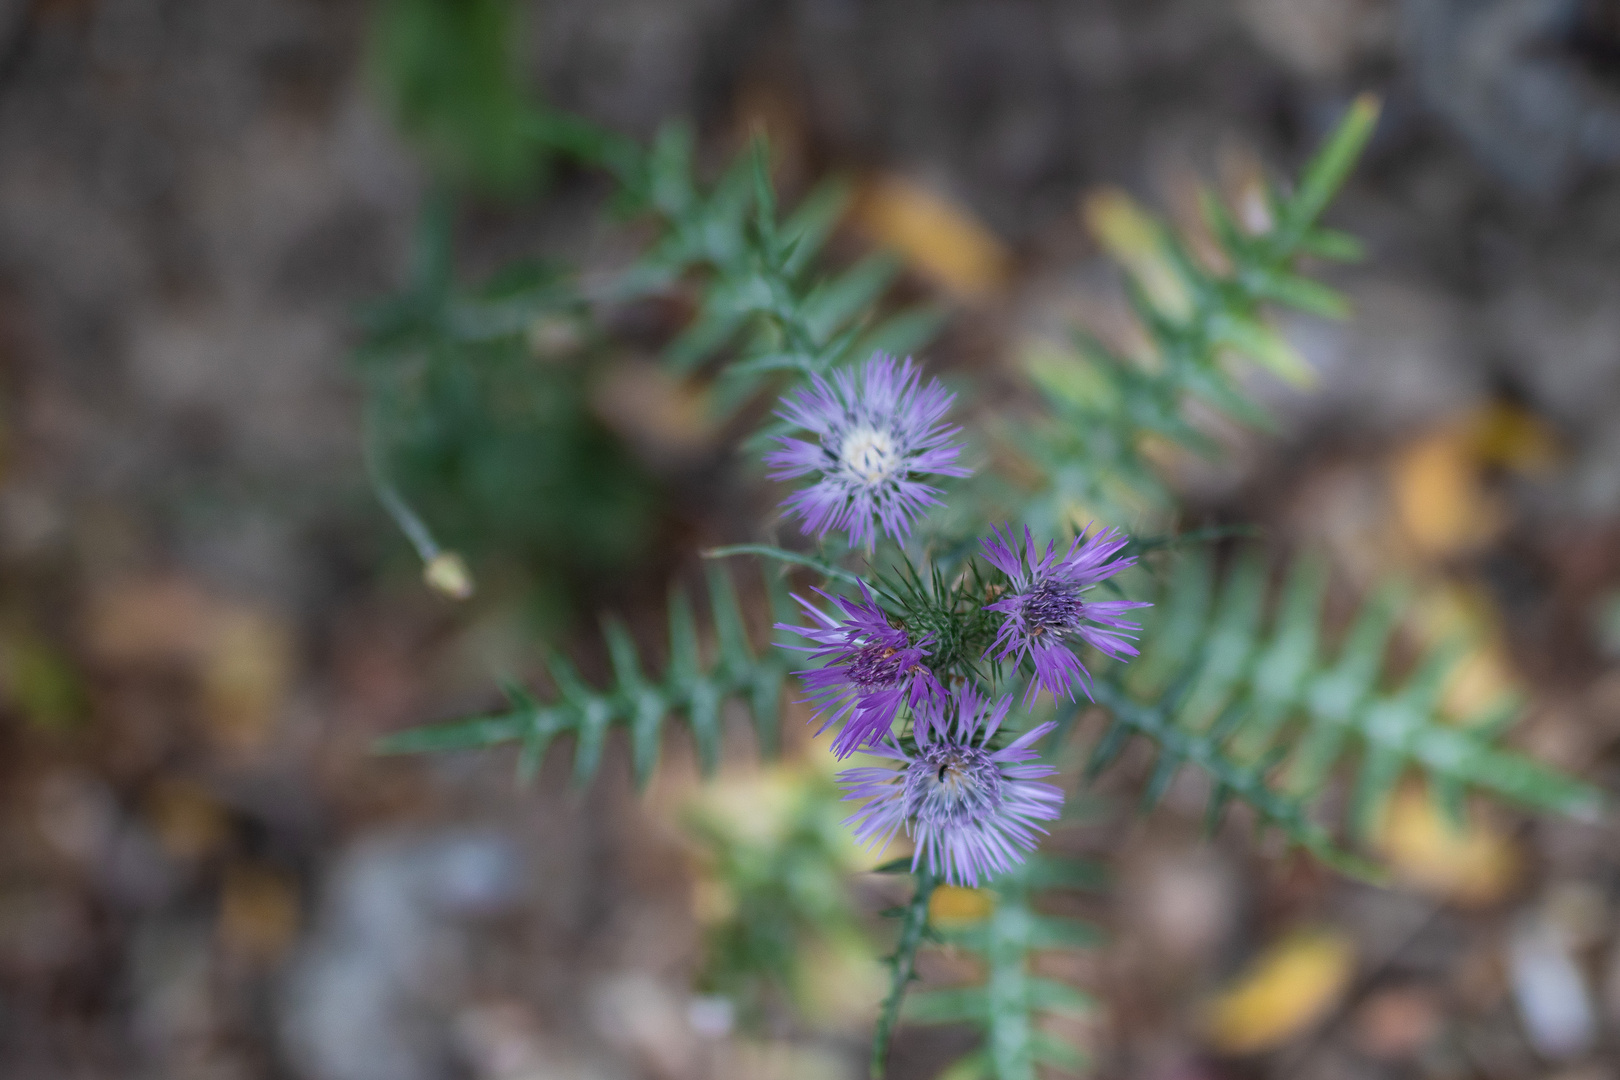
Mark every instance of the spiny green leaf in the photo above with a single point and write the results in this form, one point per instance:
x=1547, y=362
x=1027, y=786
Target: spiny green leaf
x=688, y=687
x=1006, y=1005
x=830, y=305
x=473, y=733
x=1266, y=677
x=1327, y=171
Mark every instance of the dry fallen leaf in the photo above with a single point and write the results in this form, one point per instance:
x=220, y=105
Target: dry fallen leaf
x=1395, y=1024
x=1291, y=986
x=1444, y=503
x=938, y=238
x=1472, y=865
x=188, y=820
x=258, y=912
x=152, y=621
x=241, y=654
x=1514, y=438
x=1441, y=497
x=244, y=676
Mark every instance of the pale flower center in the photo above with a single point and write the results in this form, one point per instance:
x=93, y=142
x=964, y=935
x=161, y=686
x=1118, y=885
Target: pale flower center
x=870, y=455
x=953, y=785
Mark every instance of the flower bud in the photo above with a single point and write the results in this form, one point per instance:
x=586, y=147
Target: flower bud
x=447, y=574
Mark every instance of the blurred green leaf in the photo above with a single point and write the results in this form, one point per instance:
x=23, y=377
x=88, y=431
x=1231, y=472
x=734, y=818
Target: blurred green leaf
x=449, y=69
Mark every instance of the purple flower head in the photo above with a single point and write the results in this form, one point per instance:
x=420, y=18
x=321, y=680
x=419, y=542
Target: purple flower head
x=1045, y=609
x=870, y=669
x=972, y=810
x=876, y=431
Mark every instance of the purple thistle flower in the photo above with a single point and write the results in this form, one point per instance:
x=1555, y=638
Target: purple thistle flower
x=972, y=810
x=871, y=668
x=1044, y=608
x=877, y=430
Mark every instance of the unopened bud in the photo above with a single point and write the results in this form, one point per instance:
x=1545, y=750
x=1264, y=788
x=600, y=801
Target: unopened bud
x=447, y=574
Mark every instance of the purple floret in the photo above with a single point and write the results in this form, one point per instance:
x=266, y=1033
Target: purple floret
x=971, y=810
x=1046, y=611
x=870, y=669
x=877, y=431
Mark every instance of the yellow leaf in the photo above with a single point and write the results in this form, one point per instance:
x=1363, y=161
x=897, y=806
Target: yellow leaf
x=938, y=238
x=1441, y=497
x=1288, y=988
x=952, y=905
x=1134, y=238
x=1473, y=865
x=1440, y=488
x=244, y=676
x=1514, y=438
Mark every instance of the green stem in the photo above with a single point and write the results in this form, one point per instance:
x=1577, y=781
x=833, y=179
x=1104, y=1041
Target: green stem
x=409, y=522
x=766, y=551
x=904, y=964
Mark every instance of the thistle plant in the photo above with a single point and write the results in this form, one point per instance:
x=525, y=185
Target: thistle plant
x=877, y=430
x=1043, y=610
x=958, y=619
x=871, y=669
x=972, y=809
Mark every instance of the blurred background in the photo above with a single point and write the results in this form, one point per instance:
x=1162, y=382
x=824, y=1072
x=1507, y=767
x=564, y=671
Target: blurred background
x=207, y=618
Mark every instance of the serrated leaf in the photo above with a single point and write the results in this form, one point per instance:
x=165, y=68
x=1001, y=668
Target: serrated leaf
x=1049, y=995
x=1051, y=1050
x=830, y=305
x=735, y=653
x=1326, y=172
x=1264, y=345
x=473, y=733
x=1338, y=707
x=901, y=333
x=1331, y=244
x=812, y=222
x=688, y=688
x=1301, y=293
